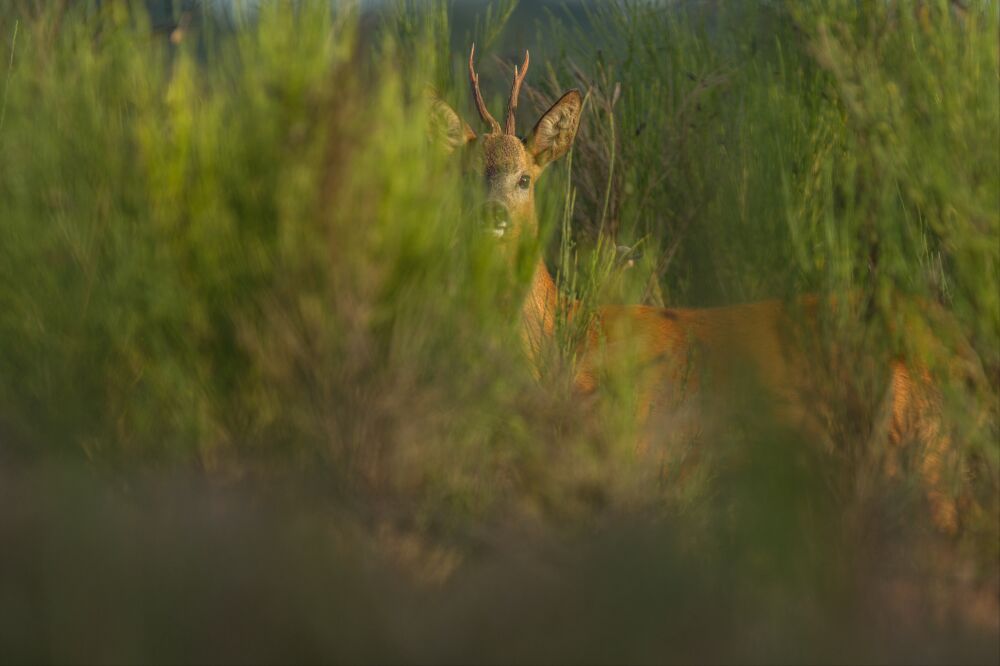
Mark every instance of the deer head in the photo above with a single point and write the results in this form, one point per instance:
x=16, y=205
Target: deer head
x=509, y=165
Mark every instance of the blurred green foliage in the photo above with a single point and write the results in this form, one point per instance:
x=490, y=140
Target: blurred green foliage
x=258, y=371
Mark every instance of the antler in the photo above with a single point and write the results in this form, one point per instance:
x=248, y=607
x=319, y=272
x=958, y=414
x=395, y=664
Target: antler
x=484, y=113
x=515, y=90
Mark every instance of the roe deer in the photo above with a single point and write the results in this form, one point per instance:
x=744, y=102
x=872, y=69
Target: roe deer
x=673, y=346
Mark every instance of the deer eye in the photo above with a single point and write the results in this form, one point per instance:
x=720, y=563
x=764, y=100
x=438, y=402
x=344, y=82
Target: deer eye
x=524, y=182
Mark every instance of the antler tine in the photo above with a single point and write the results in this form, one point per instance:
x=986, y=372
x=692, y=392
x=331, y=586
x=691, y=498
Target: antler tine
x=484, y=113
x=515, y=90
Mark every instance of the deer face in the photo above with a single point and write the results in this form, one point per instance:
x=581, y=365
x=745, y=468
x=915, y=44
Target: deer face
x=508, y=178
x=508, y=166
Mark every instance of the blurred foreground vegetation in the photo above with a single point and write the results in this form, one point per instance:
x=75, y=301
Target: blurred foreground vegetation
x=262, y=389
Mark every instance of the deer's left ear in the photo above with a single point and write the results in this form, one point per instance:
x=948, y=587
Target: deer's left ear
x=556, y=129
x=447, y=127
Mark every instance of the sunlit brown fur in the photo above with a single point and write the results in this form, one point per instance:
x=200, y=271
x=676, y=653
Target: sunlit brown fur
x=676, y=349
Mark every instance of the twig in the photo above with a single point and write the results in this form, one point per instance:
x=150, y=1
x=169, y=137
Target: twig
x=10, y=68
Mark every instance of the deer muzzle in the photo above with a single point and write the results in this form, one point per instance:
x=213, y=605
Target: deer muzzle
x=495, y=217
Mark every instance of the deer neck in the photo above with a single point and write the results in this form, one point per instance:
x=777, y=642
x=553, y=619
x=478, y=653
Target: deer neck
x=539, y=309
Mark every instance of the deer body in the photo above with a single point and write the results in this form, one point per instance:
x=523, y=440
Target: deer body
x=680, y=353
x=669, y=341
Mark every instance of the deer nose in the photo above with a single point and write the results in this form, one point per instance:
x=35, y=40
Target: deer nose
x=495, y=217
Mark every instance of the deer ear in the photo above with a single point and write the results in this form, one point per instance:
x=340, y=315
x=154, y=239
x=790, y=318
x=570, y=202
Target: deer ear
x=556, y=129
x=447, y=127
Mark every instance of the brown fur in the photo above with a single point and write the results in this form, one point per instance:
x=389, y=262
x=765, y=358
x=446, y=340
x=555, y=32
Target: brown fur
x=677, y=348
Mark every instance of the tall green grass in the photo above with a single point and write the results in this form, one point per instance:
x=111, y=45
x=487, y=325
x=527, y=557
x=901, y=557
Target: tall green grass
x=234, y=252
x=781, y=149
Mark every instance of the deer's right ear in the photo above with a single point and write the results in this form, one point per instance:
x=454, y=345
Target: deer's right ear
x=556, y=129
x=447, y=127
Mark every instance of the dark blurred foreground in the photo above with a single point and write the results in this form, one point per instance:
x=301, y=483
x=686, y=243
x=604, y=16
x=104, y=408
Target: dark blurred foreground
x=169, y=568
